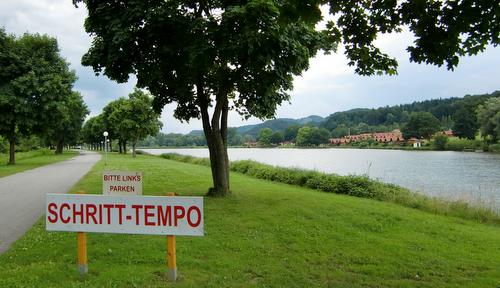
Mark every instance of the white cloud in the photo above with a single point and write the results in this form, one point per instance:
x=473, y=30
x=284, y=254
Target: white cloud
x=60, y=19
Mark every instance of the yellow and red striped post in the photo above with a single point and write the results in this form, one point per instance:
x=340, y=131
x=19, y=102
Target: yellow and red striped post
x=171, y=257
x=81, y=246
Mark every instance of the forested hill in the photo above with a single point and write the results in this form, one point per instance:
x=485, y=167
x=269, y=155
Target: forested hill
x=449, y=112
x=279, y=124
x=394, y=116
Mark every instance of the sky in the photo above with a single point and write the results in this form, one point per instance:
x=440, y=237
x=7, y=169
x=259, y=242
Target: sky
x=328, y=86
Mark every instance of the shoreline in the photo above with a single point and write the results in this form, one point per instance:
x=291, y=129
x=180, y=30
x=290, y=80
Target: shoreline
x=355, y=185
x=313, y=148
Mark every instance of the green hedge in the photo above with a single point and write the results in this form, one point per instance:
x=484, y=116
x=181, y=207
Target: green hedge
x=494, y=148
x=186, y=159
x=456, y=144
x=357, y=186
x=350, y=185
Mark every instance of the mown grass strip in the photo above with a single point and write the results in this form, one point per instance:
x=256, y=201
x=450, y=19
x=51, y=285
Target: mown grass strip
x=358, y=186
x=32, y=159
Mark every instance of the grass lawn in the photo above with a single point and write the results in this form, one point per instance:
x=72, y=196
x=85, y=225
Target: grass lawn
x=265, y=235
x=30, y=160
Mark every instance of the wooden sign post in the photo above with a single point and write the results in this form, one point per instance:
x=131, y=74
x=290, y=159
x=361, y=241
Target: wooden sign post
x=81, y=240
x=152, y=215
x=171, y=257
x=81, y=250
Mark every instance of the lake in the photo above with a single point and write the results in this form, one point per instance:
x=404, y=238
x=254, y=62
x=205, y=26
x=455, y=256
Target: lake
x=468, y=176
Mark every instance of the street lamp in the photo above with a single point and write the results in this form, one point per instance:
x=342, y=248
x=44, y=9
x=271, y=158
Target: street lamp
x=105, y=134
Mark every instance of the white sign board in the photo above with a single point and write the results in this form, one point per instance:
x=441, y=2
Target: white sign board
x=168, y=215
x=121, y=183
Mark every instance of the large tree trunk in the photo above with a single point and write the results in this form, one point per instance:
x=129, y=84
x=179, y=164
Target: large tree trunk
x=216, y=135
x=219, y=165
x=120, y=145
x=124, y=147
x=59, y=147
x=12, y=151
x=133, y=148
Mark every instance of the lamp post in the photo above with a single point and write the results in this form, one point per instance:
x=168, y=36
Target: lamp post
x=105, y=134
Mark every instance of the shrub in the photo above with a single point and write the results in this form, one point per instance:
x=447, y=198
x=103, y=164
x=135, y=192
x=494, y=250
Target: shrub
x=358, y=186
x=456, y=144
x=440, y=142
x=44, y=151
x=494, y=148
x=28, y=144
x=4, y=145
x=186, y=159
x=364, y=144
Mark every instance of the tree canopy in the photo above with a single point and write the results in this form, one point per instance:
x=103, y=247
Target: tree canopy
x=291, y=133
x=312, y=136
x=489, y=118
x=465, y=122
x=421, y=125
x=265, y=136
x=138, y=117
x=34, y=82
x=125, y=119
x=92, y=131
x=243, y=55
x=66, y=123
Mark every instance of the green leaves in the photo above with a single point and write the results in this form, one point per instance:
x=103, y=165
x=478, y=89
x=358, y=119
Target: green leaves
x=249, y=51
x=35, y=80
x=489, y=117
x=446, y=30
x=312, y=136
x=131, y=118
x=421, y=125
x=67, y=118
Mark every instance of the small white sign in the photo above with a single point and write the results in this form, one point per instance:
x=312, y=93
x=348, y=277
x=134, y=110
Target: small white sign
x=167, y=215
x=121, y=183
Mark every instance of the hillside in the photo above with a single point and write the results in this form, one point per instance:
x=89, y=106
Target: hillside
x=354, y=121
x=278, y=124
x=388, y=117
x=443, y=109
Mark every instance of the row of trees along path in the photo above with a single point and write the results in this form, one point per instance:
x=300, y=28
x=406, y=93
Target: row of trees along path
x=36, y=96
x=214, y=56
x=125, y=119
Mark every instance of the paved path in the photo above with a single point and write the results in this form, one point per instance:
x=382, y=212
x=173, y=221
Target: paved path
x=22, y=195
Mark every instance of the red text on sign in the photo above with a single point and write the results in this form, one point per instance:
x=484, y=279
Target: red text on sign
x=119, y=213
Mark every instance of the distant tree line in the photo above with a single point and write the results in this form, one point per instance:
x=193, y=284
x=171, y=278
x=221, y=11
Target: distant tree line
x=193, y=139
x=303, y=136
x=458, y=114
x=465, y=116
x=37, y=103
x=173, y=140
x=127, y=120
x=416, y=120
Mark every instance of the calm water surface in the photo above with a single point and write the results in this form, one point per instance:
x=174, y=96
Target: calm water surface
x=453, y=175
